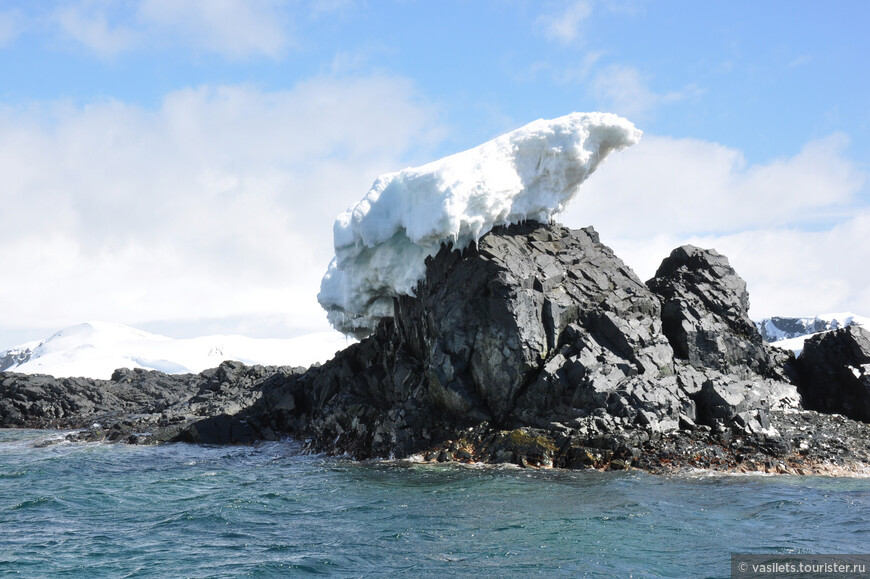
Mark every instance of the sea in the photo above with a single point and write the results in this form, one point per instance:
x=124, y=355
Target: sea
x=268, y=510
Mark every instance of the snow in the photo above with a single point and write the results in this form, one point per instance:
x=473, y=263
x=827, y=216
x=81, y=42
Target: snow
x=96, y=349
x=796, y=345
x=843, y=319
x=382, y=242
x=17, y=355
x=773, y=333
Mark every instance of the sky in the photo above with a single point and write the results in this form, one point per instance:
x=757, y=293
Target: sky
x=177, y=165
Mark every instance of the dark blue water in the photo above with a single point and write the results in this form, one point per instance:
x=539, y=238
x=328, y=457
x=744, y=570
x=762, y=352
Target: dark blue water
x=95, y=510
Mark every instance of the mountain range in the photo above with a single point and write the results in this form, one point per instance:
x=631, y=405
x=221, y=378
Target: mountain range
x=96, y=349
x=790, y=333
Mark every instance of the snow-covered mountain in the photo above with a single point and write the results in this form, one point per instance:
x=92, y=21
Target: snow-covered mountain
x=790, y=333
x=96, y=349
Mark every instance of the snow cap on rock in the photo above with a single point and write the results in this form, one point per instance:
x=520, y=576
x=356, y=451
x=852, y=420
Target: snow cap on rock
x=382, y=242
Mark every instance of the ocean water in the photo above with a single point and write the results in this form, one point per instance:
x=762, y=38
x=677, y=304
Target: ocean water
x=100, y=510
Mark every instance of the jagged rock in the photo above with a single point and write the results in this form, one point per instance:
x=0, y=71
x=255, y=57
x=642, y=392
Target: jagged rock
x=535, y=324
x=499, y=324
x=220, y=429
x=724, y=366
x=543, y=327
x=834, y=372
x=746, y=404
x=705, y=317
x=138, y=406
x=15, y=357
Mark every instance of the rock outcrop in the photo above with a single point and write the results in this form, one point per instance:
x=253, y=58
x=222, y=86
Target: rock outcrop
x=537, y=347
x=535, y=325
x=705, y=313
x=722, y=361
x=14, y=357
x=140, y=406
x=835, y=372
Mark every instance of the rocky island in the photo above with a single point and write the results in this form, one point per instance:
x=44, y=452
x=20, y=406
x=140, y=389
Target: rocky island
x=506, y=338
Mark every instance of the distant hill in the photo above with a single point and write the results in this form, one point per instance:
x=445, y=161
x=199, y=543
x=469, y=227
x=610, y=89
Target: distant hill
x=96, y=349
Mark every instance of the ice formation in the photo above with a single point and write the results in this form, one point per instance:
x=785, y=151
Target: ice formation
x=382, y=242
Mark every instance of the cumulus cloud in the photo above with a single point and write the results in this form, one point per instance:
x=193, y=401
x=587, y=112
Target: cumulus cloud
x=795, y=228
x=219, y=203
x=788, y=271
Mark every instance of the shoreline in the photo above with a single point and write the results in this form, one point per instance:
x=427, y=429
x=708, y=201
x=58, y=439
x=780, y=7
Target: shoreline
x=795, y=465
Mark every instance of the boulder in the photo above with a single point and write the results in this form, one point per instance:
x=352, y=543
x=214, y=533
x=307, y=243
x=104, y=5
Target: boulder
x=834, y=372
x=536, y=318
x=705, y=315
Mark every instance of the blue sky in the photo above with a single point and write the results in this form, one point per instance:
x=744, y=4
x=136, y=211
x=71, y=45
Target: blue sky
x=176, y=164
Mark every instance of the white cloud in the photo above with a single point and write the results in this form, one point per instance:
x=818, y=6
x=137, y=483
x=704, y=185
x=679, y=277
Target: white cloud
x=232, y=28
x=618, y=88
x=564, y=25
x=688, y=186
x=794, y=272
x=219, y=204
x=89, y=23
x=794, y=228
x=10, y=26
x=625, y=91
x=789, y=272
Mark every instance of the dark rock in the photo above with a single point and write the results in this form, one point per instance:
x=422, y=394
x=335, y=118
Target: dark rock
x=834, y=372
x=139, y=406
x=483, y=323
x=705, y=309
x=536, y=325
x=528, y=447
x=445, y=456
x=221, y=429
x=14, y=357
x=743, y=403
